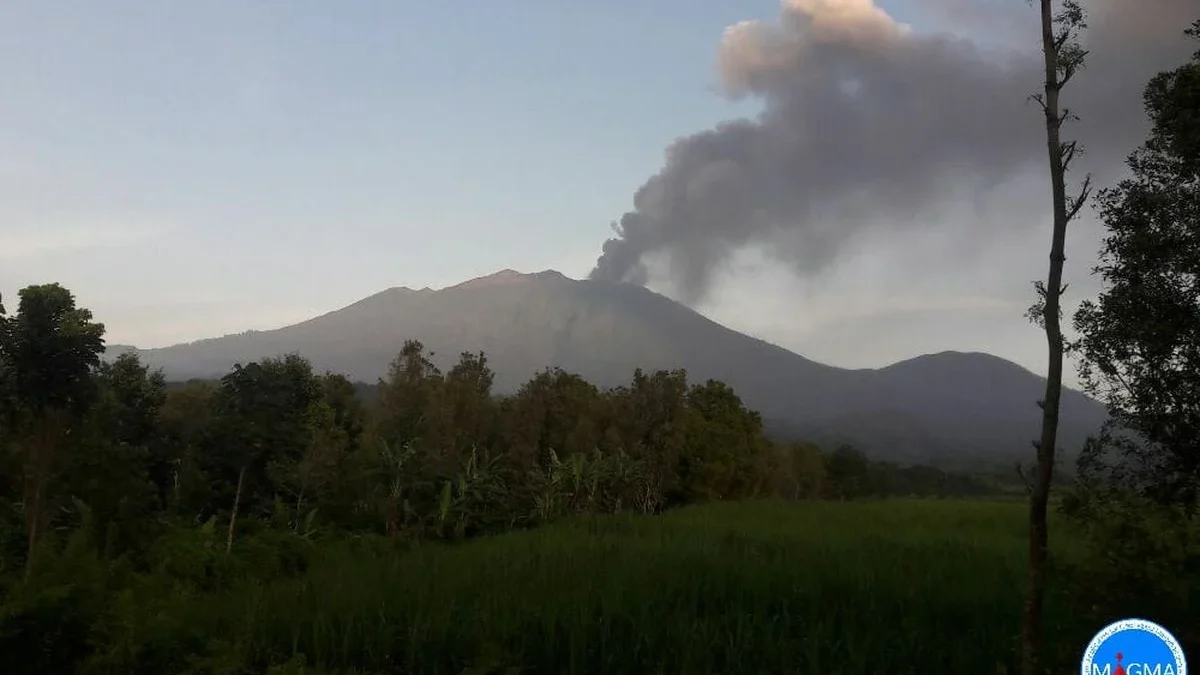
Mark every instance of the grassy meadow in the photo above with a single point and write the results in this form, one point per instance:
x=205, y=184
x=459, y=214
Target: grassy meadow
x=892, y=586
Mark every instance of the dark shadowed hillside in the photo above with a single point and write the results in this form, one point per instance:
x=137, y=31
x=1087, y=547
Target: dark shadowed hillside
x=945, y=406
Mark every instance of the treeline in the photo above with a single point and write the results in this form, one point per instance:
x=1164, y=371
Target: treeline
x=137, y=516
x=429, y=454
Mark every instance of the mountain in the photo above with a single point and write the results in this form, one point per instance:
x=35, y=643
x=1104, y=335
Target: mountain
x=962, y=407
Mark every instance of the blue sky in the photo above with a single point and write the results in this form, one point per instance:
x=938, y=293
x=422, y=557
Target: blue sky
x=192, y=169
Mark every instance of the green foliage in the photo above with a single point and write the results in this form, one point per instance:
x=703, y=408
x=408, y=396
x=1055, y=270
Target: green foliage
x=1172, y=99
x=109, y=466
x=724, y=439
x=1135, y=502
x=1140, y=553
x=184, y=422
x=51, y=346
x=261, y=418
x=700, y=590
x=47, y=619
x=279, y=521
x=849, y=471
x=48, y=351
x=7, y=382
x=1140, y=340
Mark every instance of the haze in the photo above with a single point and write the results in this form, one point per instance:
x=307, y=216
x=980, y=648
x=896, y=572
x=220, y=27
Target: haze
x=215, y=167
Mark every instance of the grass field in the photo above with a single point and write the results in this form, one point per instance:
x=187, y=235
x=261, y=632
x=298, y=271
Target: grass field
x=842, y=588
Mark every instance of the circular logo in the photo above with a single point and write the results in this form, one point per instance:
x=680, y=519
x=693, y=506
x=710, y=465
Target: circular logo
x=1133, y=647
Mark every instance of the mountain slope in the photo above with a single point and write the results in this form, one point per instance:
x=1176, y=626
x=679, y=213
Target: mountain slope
x=970, y=406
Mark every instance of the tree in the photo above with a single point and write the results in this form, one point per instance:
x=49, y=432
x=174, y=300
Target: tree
x=408, y=396
x=405, y=428
x=725, y=440
x=50, y=348
x=12, y=524
x=317, y=472
x=468, y=411
x=1063, y=57
x=796, y=470
x=849, y=473
x=554, y=412
x=346, y=487
x=6, y=383
x=175, y=469
x=654, y=415
x=7, y=391
x=261, y=421
x=1140, y=339
x=109, y=470
x=132, y=395
x=348, y=412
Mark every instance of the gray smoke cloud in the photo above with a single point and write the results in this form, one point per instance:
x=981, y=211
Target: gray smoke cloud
x=868, y=124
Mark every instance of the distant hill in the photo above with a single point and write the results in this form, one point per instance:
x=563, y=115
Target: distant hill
x=961, y=407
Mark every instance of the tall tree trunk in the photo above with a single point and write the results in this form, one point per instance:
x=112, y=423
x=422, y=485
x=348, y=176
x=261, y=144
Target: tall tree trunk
x=1062, y=57
x=299, y=503
x=41, y=449
x=33, y=518
x=237, y=500
x=178, y=464
x=393, y=515
x=393, y=511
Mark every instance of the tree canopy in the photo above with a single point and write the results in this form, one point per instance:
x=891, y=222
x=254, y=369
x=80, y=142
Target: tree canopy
x=1140, y=339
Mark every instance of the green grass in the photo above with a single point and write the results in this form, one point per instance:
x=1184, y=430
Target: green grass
x=889, y=587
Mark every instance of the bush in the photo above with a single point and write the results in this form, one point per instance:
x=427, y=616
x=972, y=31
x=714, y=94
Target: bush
x=1138, y=558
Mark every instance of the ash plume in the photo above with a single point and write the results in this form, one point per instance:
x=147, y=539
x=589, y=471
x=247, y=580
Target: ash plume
x=867, y=124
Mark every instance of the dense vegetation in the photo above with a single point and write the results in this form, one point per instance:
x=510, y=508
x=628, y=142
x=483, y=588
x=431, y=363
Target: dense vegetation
x=280, y=519
x=120, y=488
x=880, y=586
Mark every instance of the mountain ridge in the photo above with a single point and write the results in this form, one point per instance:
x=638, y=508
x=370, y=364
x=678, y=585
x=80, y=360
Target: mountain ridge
x=963, y=404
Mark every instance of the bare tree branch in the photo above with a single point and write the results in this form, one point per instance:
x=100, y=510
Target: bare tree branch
x=1077, y=202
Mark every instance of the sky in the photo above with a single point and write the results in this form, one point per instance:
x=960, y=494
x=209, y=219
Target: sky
x=196, y=169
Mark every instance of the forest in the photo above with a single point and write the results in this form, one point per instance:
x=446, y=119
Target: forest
x=426, y=455
x=108, y=461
